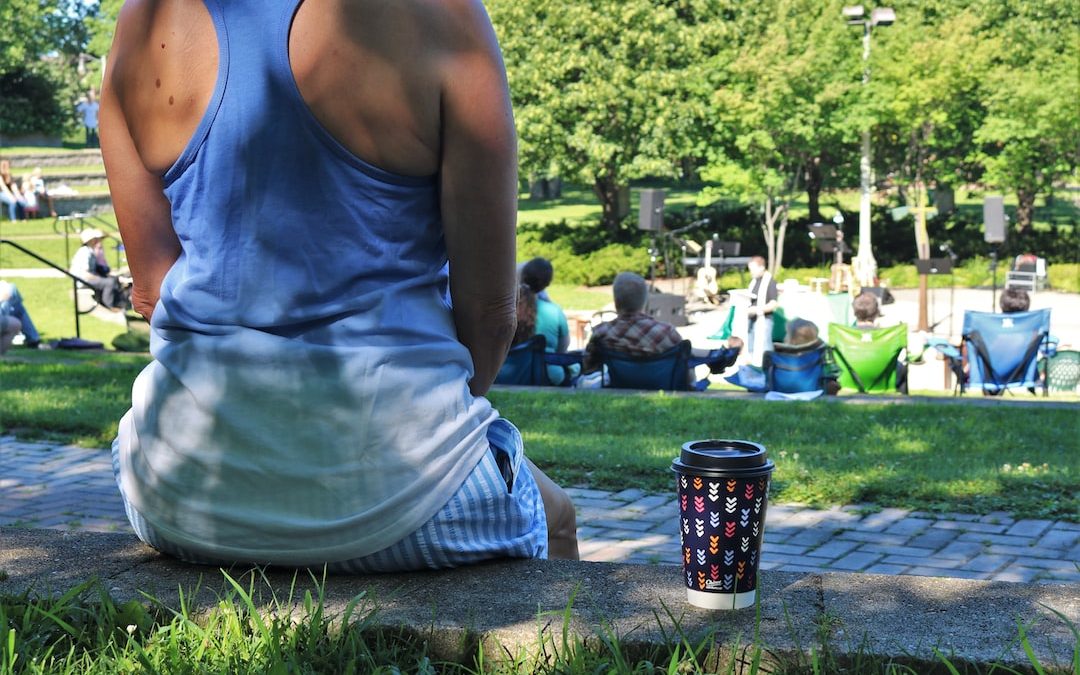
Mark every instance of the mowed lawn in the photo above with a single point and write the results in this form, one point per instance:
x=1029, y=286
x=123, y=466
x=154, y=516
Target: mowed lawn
x=975, y=456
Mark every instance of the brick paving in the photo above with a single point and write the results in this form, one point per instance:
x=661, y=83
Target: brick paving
x=45, y=485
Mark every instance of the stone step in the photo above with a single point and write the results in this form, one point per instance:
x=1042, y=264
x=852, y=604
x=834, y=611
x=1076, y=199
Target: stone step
x=507, y=608
x=73, y=179
x=59, y=157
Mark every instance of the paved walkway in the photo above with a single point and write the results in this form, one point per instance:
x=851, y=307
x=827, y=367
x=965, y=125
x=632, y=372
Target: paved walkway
x=64, y=487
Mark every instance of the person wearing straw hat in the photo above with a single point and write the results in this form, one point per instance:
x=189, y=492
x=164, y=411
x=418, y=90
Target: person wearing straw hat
x=90, y=266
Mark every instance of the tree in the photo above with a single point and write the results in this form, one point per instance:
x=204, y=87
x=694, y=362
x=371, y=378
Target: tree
x=603, y=90
x=1030, y=137
x=776, y=111
x=39, y=43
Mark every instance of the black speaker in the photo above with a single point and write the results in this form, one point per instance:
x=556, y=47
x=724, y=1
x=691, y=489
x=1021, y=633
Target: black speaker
x=667, y=307
x=994, y=219
x=651, y=215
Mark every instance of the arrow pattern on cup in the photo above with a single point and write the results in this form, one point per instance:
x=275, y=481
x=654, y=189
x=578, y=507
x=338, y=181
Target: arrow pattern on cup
x=721, y=550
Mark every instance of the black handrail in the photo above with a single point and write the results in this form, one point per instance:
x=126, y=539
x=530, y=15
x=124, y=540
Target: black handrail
x=75, y=281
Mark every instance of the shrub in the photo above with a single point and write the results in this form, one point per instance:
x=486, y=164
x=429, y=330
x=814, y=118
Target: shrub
x=579, y=255
x=29, y=104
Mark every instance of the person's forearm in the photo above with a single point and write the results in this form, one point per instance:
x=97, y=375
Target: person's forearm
x=486, y=328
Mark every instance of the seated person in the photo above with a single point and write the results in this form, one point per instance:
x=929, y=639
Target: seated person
x=804, y=333
x=9, y=190
x=9, y=328
x=317, y=394
x=867, y=309
x=550, y=320
x=526, y=315
x=42, y=195
x=1014, y=300
x=90, y=266
x=632, y=331
x=12, y=308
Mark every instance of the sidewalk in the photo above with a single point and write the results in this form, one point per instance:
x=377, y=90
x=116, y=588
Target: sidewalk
x=68, y=488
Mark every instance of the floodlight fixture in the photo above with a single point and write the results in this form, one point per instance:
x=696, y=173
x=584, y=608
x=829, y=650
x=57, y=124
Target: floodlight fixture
x=854, y=12
x=882, y=16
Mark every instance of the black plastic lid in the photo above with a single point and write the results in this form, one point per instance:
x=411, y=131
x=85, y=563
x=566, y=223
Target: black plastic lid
x=722, y=458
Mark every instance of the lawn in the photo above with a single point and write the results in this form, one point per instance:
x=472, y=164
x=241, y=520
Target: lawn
x=926, y=456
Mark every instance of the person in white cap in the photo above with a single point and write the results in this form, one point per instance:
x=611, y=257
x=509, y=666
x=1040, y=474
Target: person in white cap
x=90, y=266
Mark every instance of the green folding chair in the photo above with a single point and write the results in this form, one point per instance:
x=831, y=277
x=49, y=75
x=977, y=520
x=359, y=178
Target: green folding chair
x=868, y=359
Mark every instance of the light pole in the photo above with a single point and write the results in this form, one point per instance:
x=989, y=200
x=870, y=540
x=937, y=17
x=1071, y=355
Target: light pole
x=864, y=263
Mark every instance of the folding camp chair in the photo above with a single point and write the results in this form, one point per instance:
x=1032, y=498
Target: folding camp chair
x=1062, y=370
x=868, y=358
x=668, y=370
x=794, y=369
x=524, y=365
x=1002, y=350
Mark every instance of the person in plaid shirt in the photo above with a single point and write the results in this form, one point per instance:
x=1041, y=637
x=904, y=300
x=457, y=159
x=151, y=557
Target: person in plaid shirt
x=632, y=331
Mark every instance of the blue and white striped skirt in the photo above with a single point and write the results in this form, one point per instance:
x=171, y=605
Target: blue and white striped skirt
x=496, y=513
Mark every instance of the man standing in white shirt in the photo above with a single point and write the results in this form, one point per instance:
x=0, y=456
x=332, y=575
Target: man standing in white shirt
x=88, y=108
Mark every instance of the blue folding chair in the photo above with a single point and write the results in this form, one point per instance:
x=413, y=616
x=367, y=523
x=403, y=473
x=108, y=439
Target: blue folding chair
x=1002, y=350
x=524, y=365
x=668, y=370
x=794, y=369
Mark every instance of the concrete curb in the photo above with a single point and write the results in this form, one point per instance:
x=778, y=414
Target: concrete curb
x=511, y=606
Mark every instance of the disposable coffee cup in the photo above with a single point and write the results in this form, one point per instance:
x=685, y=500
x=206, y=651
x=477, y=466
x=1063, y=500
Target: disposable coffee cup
x=723, y=489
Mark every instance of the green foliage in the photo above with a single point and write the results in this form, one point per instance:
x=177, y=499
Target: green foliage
x=601, y=88
x=573, y=253
x=36, y=28
x=30, y=103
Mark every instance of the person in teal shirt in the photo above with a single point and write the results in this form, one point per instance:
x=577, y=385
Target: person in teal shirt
x=550, y=319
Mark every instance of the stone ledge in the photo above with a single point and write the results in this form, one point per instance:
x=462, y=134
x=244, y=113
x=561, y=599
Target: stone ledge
x=503, y=606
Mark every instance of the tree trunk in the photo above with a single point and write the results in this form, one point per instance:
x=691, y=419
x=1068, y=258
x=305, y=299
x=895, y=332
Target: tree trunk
x=814, y=182
x=1025, y=209
x=778, y=263
x=607, y=191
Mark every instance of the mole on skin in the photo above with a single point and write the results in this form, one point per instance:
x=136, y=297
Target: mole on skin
x=170, y=100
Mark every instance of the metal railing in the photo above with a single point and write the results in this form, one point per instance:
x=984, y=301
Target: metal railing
x=75, y=281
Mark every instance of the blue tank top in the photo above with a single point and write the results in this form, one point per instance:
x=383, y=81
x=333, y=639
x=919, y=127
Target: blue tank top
x=308, y=399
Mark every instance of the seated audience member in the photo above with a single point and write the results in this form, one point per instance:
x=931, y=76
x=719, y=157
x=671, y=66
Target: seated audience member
x=550, y=319
x=804, y=333
x=526, y=315
x=14, y=312
x=9, y=328
x=867, y=309
x=90, y=266
x=801, y=332
x=9, y=190
x=1014, y=300
x=42, y=195
x=29, y=198
x=632, y=331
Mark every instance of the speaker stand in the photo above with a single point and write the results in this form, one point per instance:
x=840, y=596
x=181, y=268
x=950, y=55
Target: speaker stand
x=993, y=276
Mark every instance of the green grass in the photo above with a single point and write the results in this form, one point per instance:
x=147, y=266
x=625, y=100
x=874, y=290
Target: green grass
x=50, y=304
x=85, y=631
x=579, y=297
x=960, y=458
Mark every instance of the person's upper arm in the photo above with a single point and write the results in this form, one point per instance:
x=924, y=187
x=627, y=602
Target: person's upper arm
x=478, y=185
x=142, y=211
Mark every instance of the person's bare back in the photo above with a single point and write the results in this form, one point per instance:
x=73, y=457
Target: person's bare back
x=372, y=73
